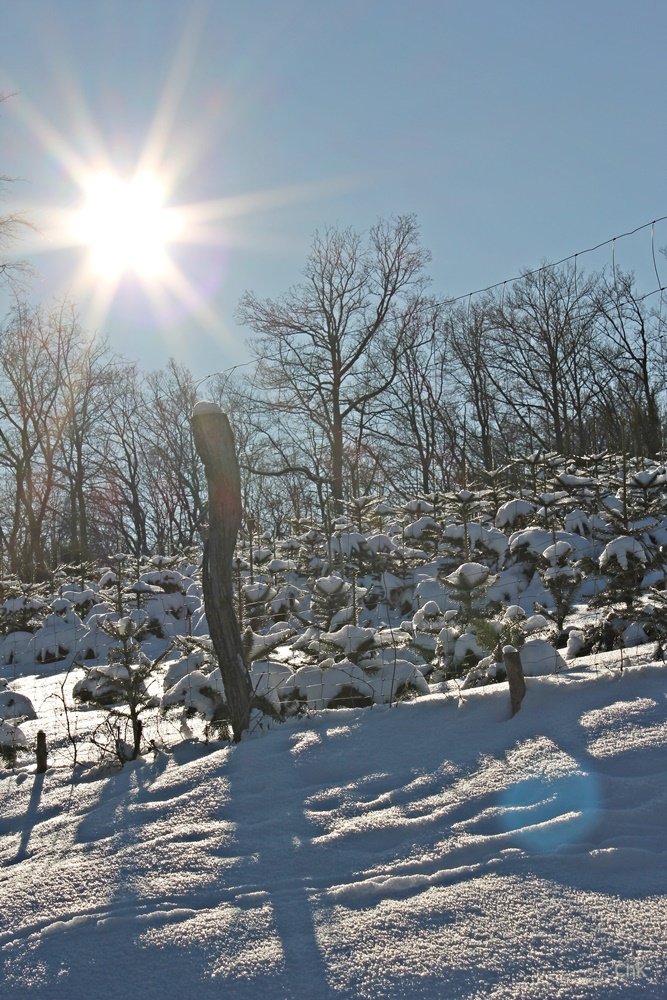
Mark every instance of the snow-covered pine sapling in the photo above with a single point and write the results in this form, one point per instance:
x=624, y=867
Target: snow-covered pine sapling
x=425, y=628
x=121, y=686
x=258, y=647
x=118, y=561
x=647, y=488
x=250, y=528
x=349, y=641
x=549, y=504
x=636, y=503
x=194, y=682
x=263, y=553
x=12, y=739
x=582, y=489
x=22, y=609
x=561, y=578
x=495, y=493
x=14, y=705
x=80, y=570
x=111, y=580
x=331, y=594
x=310, y=551
x=658, y=611
x=463, y=505
x=255, y=600
x=286, y=605
x=199, y=692
x=349, y=549
x=624, y=562
x=359, y=509
x=532, y=464
x=468, y=585
x=141, y=591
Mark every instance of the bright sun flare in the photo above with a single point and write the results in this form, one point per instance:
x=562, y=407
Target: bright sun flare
x=125, y=225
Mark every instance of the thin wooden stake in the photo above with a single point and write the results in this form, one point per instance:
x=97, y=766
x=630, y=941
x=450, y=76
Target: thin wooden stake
x=514, y=672
x=42, y=763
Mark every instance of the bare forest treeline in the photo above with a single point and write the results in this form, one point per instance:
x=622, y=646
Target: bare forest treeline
x=364, y=382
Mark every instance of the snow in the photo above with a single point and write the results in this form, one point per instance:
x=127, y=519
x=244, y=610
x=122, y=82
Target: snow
x=330, y=585
x=416, y=529
x=560, y=550
x=428, y=845
x=509, y=512
x=196, y=692
x=479, y=536
x=14, y=705
x=349, y=638
x=539, y=658
x=11, y=735
x=468, y=576
x=205, y=406
x=620, y=549
x=436, y=849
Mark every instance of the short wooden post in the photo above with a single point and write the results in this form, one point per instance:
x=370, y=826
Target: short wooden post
x=41, y=752
x=514, y=672
x=214, y=442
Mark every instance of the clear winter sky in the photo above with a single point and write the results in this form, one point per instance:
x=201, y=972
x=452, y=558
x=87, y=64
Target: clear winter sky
x=516, y=130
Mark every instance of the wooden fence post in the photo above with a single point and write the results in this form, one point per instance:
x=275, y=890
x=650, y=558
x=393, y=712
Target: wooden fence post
x=214, y=442
x=515, y=677
x=41, y=752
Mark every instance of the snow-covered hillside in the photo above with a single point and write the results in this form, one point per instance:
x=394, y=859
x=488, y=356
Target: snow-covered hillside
x=385, y=828
x=435, y=849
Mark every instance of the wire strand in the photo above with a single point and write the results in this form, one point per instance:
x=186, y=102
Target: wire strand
x=557, y=263
x=538, y=270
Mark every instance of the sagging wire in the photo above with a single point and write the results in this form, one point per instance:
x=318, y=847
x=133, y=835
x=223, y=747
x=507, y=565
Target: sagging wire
x=655, y=266
x=225, y=371
x=613, y=259
x=557, y=263
x=502, y=284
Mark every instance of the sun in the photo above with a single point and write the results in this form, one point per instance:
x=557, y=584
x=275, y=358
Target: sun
x=125, y=225
x=131, y=230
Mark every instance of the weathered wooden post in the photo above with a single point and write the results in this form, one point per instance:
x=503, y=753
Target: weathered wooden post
x=214, y=442
x=42, y=760
x=515, y=677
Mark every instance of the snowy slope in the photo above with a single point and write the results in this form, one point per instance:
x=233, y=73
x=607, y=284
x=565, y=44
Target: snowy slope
x=437, y=849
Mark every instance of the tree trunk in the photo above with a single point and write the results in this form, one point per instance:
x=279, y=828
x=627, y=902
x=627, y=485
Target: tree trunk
x=214, y=442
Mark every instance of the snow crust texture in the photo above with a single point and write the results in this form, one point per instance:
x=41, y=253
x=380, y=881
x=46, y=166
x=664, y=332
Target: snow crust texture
x=436, y=849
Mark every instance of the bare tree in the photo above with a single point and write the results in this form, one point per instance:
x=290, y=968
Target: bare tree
x=35, y=352
x=124, y=503
x=89, y=381
x=417, y=418
x=11, y=226
x=539, y=365
x=176, y=475
x=631, y=363
x=469, y=332
x=334, y=343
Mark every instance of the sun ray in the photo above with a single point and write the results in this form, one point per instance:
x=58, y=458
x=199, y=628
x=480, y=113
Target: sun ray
x=156, y=146
x=50, y=139
x=251, y=203
x=128, y=230
x=184, y=291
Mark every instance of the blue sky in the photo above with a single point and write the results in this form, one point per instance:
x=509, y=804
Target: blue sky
x=516, y=131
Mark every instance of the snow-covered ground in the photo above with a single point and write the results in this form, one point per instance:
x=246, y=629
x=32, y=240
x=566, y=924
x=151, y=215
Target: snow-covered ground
x=434, y=849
